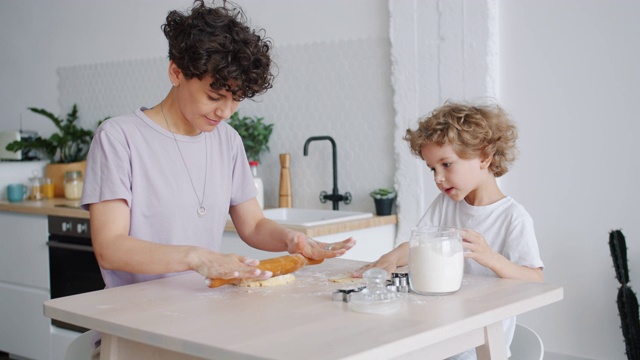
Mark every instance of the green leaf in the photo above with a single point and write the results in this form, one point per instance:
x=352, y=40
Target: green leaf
x=383, y=193
x=70, y=144
x=254, y=133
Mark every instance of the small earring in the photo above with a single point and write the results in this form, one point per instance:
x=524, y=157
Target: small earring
x=173, y=84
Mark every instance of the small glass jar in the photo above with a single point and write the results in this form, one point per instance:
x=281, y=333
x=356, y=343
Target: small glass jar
x=375, y=298
x=35, y=192
x=47, y=188
x=73, y=185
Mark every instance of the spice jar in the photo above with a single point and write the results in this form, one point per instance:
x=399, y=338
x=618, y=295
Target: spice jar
x=73, y=185
x=34, y=186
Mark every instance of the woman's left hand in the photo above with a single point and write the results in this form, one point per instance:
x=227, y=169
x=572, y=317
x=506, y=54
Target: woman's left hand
x=478, y=248
x=314, y=249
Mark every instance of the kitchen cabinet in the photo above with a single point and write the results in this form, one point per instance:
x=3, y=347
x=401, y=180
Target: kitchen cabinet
x=24, y=286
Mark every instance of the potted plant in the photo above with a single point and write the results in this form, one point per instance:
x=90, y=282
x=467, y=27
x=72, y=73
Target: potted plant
x=254, y=133
x=383, y=198
x=66, y=149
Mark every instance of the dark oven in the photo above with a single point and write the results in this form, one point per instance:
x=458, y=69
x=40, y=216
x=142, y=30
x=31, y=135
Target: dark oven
x=73, y=268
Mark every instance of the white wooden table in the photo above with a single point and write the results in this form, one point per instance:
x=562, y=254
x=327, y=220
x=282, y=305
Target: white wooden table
x=180, y=318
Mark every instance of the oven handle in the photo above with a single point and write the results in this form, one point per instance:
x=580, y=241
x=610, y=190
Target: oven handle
x=60, y=245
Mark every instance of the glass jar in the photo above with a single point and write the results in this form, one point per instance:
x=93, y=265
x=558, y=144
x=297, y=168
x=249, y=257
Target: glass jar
x=47, y=188
x=436, y=260
x=375, y=298
x=34, y=187
x=73, y=185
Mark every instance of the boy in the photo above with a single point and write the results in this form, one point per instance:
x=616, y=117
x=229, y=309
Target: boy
x=467, y=148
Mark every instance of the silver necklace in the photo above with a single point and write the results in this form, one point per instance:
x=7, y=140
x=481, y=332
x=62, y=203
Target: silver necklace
x=201, y=210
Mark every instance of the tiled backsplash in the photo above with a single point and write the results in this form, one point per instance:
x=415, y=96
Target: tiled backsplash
x=341, y=89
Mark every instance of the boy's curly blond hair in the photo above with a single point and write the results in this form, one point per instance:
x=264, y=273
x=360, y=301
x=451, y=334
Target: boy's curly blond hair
x=473, y=131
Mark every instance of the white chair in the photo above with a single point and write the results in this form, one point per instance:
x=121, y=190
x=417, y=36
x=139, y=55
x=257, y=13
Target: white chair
x=82, y=347
x=526, y=344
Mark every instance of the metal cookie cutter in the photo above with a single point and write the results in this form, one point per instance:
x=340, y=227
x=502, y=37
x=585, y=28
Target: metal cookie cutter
x=345, y=294
x=399, y=282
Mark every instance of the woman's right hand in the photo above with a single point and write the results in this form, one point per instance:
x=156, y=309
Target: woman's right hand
x=214, y=265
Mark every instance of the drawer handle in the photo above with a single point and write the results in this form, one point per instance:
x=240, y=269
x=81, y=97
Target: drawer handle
x=60, y=245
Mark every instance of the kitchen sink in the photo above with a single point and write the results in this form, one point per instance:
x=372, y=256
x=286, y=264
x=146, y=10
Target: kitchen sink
x=312, y=217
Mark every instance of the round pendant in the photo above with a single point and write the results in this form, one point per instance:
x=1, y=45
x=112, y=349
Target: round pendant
x=202, y=211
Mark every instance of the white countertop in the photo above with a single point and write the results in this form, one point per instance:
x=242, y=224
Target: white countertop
x=294, y=321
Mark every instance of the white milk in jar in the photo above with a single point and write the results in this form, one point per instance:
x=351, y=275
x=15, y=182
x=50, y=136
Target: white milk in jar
x=436, y=260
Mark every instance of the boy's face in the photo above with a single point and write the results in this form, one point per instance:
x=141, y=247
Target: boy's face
x=455, y=177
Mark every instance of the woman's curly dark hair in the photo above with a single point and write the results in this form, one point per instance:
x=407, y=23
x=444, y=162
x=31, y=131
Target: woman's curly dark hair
x=473, y=131
x=216, y=41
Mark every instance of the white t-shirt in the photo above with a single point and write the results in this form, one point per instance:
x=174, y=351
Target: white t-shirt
x=134, y=159
x=505, y=225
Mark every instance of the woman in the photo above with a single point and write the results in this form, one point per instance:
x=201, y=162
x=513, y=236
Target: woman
x=160, y=182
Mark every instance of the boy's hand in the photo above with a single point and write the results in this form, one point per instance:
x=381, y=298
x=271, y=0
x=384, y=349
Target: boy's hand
x=389, y=266
x=389, y=261
x=478, y=249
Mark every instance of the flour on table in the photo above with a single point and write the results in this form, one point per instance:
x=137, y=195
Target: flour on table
x=274, y=281
x=346, y=279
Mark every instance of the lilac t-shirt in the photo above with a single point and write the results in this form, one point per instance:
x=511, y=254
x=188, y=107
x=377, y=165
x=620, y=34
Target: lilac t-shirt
x=134, y=159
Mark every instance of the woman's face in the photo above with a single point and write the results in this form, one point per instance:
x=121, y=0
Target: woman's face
x=202, y=107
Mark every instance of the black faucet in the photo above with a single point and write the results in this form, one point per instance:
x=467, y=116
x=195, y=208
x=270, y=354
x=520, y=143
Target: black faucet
x=335, y=197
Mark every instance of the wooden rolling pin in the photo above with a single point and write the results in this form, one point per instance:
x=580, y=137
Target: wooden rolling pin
x=278, y=266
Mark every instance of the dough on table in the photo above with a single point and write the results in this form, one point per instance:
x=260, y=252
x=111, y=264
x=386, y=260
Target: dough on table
x=346, y=279
x=274, y=281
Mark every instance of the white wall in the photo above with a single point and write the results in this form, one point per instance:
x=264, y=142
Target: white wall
x=569, y=76
x=38, y=36
x=441, y=50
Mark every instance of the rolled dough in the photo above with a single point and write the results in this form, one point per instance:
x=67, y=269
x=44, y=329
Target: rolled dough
x=274, y=281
